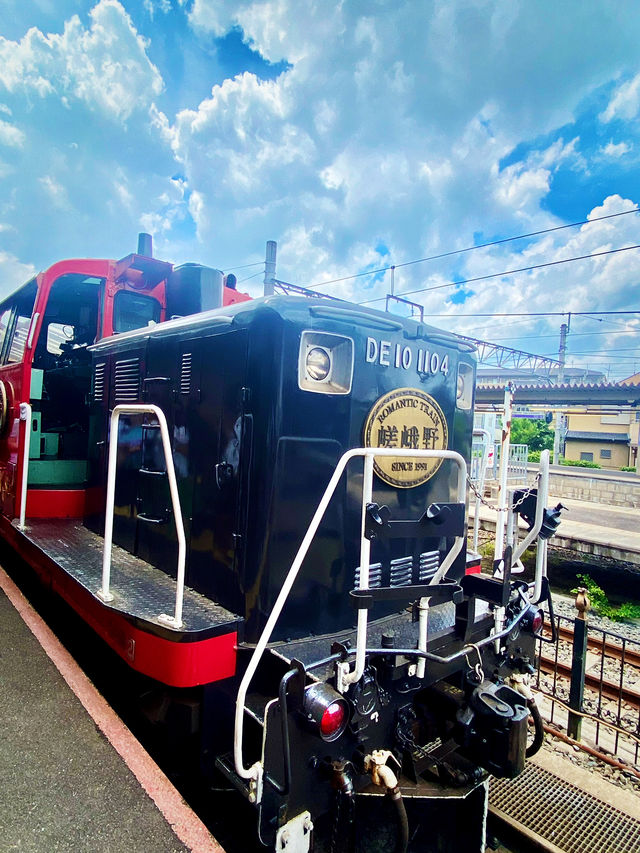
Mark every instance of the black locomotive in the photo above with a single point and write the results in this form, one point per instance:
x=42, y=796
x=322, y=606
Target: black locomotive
x=261, y=505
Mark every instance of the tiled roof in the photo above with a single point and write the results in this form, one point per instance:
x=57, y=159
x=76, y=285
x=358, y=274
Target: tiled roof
x=583, y=386
x=598, y=436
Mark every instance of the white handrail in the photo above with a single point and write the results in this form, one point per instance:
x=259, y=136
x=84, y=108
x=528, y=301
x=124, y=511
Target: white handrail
x=254, y=772
x=26, y=414
x=174, y=621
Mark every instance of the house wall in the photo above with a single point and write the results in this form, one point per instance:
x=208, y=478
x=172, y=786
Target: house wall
x=619, y=452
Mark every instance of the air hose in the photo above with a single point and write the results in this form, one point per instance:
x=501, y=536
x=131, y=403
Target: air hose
x=384, y=777
x=538, y=727
x=402, y=841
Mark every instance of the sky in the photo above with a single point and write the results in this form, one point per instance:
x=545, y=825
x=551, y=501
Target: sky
x=358, y=135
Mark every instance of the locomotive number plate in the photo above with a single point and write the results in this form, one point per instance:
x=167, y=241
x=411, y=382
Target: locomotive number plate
x=408, y=419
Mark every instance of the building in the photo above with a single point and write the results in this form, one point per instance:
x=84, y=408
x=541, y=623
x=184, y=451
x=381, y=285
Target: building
x=611, y=440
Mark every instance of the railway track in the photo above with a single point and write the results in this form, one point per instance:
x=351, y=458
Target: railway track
x=608, y=688
x=619, y=690
x=613, y=650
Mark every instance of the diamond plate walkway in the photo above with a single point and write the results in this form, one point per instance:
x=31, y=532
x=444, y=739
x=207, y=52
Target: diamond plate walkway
x=73, y=777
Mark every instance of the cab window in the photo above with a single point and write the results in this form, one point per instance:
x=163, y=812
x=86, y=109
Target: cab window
x=134, y=311
x=15, y=321
x=19, y=339
x=5, y=317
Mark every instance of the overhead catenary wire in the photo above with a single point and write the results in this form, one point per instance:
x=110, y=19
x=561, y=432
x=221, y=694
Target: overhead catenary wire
x=535, y=314
x=244, y=266
x=472, y=248
x=250, y=276
x=505, y=273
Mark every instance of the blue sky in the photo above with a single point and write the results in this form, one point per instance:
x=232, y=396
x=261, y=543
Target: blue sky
x=356, y=134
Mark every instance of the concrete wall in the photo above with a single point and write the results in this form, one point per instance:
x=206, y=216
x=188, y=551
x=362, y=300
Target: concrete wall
x=605, y=490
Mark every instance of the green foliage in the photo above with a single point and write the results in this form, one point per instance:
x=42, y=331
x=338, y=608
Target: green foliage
x=601, y=605
x=628, y=468
x=535, y=434
x=627, y=610
x=534, y=455
x=579, y=463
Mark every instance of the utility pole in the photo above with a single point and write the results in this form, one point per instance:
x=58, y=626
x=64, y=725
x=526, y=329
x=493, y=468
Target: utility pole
x=562, y=355
x=270, y=268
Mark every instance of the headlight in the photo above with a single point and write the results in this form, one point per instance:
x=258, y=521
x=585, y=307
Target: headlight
x=325, y=363
x=464, y=386
x=318, y=363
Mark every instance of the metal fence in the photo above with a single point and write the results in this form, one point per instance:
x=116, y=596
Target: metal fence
x=516, y=469
x=590, y=681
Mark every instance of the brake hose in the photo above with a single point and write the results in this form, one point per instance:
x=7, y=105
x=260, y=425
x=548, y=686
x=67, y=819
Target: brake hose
x=538, y=727
x=402, y=841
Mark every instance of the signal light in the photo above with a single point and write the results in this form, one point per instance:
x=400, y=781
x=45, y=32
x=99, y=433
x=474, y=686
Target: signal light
x=533, y=620
x=327, y=710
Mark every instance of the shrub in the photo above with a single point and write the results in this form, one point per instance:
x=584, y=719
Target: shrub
x=600, y=602
x=579, y=463
x=534, y=455
x=624, y=467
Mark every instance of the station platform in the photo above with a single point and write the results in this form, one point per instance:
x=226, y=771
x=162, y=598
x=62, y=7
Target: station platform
x=73, y=776
x=589, y=528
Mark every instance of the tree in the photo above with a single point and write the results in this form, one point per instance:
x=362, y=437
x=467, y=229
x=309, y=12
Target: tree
x=536, y=434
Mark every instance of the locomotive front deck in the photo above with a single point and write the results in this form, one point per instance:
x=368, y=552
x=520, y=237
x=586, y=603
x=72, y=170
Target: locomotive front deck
x=70, y=557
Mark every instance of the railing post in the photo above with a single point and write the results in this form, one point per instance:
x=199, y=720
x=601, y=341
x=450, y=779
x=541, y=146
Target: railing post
x=578, y=664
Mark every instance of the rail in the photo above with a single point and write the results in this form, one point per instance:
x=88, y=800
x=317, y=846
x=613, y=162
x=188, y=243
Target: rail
x=104, y=592
x=254, y=773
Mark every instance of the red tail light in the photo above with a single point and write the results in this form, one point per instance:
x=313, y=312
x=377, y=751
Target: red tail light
x=333, y=720
x=327, y=710
x=537, y=622
x=533, y=620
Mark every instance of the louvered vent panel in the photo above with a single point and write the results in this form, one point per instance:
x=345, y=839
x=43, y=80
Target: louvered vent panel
x=185, y=373
x=429, y=564
x=127, y=380
x=401, y=571
x=375, y=576
x=98, y=382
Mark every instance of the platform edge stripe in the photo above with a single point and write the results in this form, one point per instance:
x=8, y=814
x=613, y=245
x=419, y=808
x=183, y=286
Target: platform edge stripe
x=190, y=830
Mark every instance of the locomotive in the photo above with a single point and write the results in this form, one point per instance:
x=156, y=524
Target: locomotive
x=260, y=506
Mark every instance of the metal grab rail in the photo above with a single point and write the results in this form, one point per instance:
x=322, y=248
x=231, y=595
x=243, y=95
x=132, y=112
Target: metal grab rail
x=26, y=414
x=174, y=621
x=254, y=772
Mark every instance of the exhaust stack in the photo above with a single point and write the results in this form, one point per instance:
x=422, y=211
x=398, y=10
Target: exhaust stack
x=145, y=245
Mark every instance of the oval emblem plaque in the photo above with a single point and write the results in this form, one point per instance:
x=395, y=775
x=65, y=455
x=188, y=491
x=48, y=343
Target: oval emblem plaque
x=408, y=419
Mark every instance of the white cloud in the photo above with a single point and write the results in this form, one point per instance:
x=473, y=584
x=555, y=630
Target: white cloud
x=153, y=6
x=384, y=141
x=105, y=65
x=616, y=150
x=625, y=103
x=10, y=135
x=13, y=273
x=56, y=192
